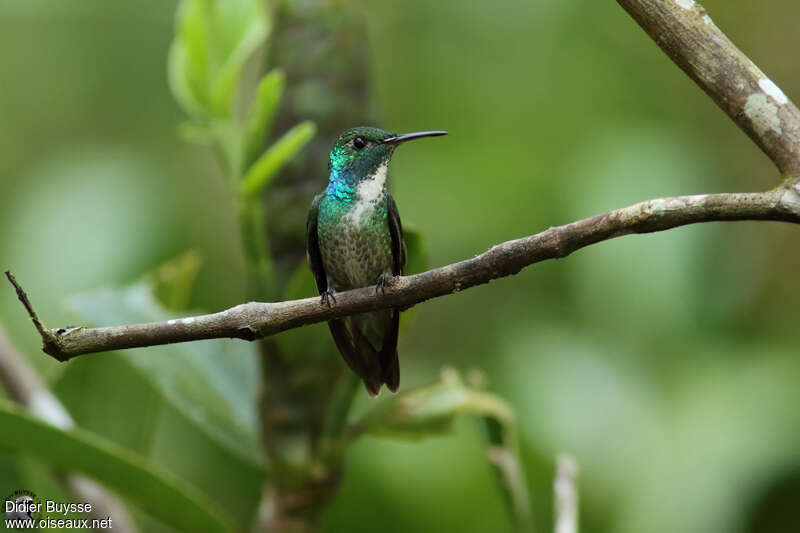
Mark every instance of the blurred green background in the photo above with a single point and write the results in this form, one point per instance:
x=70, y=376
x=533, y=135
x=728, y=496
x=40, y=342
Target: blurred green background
x=666, y=365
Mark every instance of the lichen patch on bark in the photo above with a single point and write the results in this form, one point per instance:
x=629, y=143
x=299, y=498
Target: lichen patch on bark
x=763, y=114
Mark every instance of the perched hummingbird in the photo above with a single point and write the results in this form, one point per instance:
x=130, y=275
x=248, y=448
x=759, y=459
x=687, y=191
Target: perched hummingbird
x=355, y=239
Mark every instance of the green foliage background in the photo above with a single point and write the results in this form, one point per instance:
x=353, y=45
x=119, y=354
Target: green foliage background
x=666, y=364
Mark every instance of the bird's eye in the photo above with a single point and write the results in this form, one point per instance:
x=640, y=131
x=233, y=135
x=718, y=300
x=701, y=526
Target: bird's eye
x=359, y=143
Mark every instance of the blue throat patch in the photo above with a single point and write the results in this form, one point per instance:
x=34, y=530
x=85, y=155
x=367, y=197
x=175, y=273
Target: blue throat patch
x=348, y=167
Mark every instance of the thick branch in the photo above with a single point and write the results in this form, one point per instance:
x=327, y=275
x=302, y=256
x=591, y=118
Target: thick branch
x=256, y=320
x=683, y=29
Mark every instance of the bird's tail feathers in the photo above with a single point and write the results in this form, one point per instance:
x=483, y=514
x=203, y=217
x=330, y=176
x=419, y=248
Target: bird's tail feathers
x=374, y=367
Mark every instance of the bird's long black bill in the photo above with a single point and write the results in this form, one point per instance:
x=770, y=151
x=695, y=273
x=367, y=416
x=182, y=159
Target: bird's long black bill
x=403, y=137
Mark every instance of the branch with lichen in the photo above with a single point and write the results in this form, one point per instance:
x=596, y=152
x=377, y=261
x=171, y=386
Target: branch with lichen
x=256, y=320
x=686, y=33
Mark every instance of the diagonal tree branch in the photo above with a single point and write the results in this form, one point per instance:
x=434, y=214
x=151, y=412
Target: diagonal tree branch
x=687, y=34
x=256, y=320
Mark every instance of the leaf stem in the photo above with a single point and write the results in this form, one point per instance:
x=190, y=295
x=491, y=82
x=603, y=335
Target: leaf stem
x=260, y=268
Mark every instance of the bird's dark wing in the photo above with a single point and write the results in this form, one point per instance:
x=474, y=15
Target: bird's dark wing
x=313, y=254
x=396, y=231
x=388, y=353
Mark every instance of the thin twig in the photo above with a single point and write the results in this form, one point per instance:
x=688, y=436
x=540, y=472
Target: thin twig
x=565, y=489
x=507, y=461
x=47, y=336
x=256, y=320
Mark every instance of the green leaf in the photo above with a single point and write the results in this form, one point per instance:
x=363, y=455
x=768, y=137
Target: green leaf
x=314, y=339
x=233, y=20
x=173, y=281
x=503, y=453
x=262, y=112
x=213, y=383
x=214, y=39
x=259, y=176
x=196, y=132
x=301, y=284
x=417, y=262
x=191, y=46
x=228, y=143
x=135, y=415
x=178, y=79
x=416, y=247
x=226, y=79
x=173, y=501
x=431, y=410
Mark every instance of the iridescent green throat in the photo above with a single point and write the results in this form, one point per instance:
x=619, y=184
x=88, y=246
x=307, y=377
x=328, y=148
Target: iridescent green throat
x=350, y=165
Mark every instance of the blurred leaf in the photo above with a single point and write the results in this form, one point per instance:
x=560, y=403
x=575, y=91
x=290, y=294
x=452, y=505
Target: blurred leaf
x=416, y=413
x=189, y=56
x=262, y=113
x=224, y=89
x=234, y=21
x=431, y=410
x=37, y=476
x=315, y=339
x=259, y=176
x=138, y=417
x=417, y=262
x=261, y=268
x=173, y=281
x=212, y=382
x=177, y=67
x=179, y=447
x=339, y=409
x=229, y=139
x=418, y=259
x=171, y=500
x=195, y=132
x=504, y=455
x=213, y=41
x=301, y=284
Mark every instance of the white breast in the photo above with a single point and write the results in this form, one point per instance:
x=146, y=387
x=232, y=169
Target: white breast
x=368, y=192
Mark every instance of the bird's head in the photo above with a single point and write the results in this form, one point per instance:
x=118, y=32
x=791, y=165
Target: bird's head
x=360, y=152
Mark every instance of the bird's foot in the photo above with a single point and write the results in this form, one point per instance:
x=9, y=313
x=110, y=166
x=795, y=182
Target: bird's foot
x=326, y=296
x=383, y=281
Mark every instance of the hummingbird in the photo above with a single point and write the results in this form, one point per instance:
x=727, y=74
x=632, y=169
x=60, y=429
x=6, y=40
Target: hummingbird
x=355, y=239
